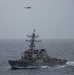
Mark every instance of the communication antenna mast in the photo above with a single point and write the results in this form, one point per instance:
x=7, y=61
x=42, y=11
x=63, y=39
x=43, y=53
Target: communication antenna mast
x=32, y=41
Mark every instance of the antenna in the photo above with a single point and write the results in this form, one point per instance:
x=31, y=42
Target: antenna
x=32, y=41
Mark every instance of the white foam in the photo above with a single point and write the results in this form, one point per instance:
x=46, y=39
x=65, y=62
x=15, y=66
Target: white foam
x=70, y=63
x=60, y=66
x=44, y=67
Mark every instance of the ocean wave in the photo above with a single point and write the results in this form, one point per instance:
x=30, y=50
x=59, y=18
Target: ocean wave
x=70, y=63
x=60, y=66
x=44, y=67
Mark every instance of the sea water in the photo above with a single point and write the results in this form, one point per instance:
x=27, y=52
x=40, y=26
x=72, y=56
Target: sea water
x=11, y=49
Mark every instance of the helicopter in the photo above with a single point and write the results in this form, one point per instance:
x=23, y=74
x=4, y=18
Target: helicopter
x=28, y=7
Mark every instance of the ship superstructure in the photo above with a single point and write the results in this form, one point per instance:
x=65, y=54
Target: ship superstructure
x=33, y=54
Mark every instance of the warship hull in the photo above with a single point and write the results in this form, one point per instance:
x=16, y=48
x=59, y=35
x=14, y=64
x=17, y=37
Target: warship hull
x=15, y=64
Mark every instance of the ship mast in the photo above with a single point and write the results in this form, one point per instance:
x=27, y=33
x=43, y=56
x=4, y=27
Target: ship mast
x=32, y=41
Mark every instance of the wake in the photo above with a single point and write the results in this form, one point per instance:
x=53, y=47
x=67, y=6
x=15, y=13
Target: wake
x=70, y=63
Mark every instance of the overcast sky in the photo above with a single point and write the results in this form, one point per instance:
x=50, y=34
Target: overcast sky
x=52, y=19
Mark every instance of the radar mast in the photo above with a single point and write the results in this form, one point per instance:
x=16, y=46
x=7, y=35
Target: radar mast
x=32, y=41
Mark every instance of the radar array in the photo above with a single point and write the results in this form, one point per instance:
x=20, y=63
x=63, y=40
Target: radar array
x=32, y=41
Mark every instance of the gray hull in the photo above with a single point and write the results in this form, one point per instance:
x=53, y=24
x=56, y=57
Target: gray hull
x=15, y=64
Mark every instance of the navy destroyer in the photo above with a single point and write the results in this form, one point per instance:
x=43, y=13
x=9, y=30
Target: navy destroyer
x=34, y=58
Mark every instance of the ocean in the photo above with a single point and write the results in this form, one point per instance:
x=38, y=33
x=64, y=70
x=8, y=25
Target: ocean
x=11, y=49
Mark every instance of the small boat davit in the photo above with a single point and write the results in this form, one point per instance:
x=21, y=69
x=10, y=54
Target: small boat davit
x=34, y=58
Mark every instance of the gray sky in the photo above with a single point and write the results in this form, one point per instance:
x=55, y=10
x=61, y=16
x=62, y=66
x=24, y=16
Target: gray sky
x=52, y=19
